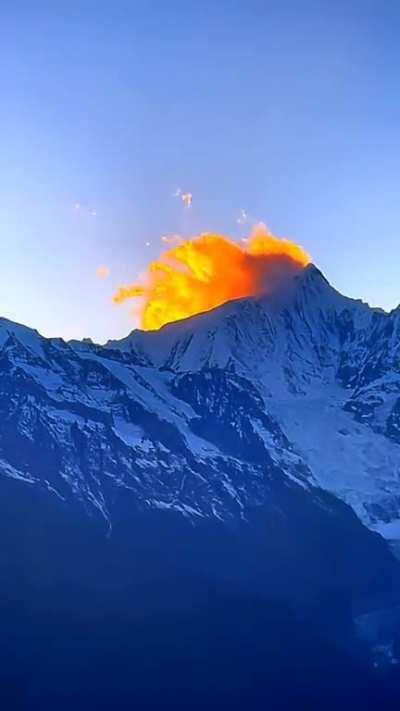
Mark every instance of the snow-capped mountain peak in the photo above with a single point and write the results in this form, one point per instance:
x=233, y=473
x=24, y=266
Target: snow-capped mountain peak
x=301, y=385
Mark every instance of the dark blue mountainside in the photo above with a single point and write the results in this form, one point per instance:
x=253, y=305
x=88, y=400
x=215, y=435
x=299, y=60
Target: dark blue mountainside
x=200, y=517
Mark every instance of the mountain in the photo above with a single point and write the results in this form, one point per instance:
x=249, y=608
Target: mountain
x=254, y=448
x=306, y=380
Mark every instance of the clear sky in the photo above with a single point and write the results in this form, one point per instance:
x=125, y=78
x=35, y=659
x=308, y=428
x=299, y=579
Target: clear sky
x=289, y=109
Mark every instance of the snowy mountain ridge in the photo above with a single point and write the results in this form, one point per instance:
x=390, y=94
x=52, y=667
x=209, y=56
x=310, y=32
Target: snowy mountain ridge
x=205, y=416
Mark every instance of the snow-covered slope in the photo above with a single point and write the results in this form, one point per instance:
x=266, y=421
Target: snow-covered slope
x=298, y=389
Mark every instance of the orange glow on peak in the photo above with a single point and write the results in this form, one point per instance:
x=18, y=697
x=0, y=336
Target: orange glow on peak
x=202, y=273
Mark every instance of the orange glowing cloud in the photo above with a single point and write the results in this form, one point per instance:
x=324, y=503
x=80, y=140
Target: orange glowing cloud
x=202, y=273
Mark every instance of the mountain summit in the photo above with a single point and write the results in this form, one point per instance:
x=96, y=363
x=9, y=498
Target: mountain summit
x=326, y=369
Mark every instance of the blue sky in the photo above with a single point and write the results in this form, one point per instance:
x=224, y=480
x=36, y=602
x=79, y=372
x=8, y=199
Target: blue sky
x=289, y=109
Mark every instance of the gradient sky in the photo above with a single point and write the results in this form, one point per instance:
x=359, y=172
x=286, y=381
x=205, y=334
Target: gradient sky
x=289, y=109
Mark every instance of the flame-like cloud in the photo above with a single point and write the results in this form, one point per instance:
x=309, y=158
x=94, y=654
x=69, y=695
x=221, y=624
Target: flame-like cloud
x=202, y=273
